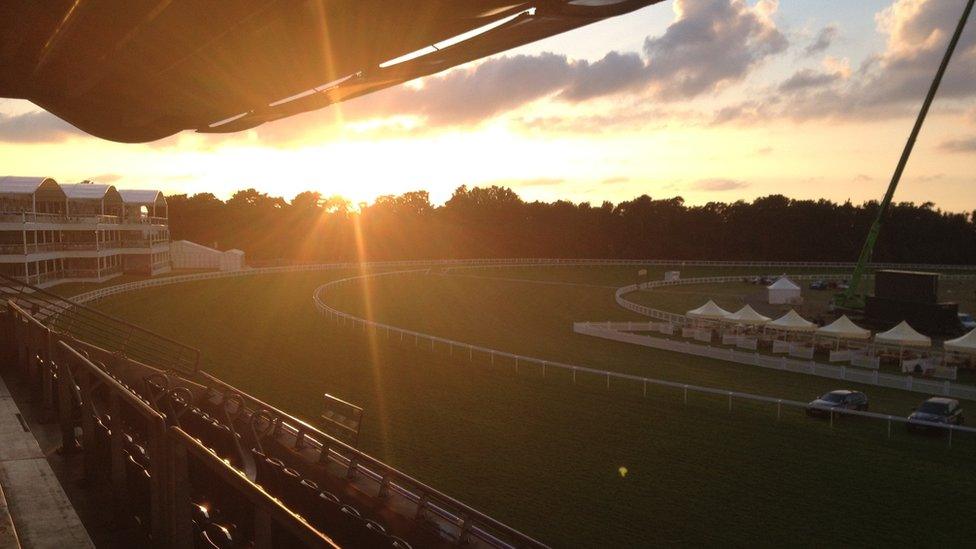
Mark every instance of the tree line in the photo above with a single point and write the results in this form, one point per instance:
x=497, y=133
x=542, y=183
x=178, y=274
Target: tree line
x=484, y=222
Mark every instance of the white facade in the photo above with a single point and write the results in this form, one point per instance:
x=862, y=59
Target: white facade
x=85, y=232
x=190, y=255
x=784, y=291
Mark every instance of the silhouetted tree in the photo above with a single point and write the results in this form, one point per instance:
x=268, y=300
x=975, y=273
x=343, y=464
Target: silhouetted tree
x=495, y=222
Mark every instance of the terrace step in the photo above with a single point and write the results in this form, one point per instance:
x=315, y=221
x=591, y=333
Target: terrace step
x=34, y=510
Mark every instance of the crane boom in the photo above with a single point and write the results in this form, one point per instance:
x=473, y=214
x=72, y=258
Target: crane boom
x=853, y=297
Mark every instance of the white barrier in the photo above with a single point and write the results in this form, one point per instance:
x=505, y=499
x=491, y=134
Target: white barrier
x=614, y=330
x=810, y=367
x=781, y=363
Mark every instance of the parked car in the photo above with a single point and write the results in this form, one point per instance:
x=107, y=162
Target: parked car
x=818, y=285
x=967, y=321
x=936, y=410
x=841, y=399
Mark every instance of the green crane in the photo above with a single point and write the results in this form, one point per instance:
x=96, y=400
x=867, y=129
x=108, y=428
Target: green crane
x=853, y=297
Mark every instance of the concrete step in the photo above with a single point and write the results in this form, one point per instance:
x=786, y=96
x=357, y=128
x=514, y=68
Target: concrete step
x=35, y=503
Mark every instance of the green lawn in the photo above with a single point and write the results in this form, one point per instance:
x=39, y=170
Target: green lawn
x=544, y=455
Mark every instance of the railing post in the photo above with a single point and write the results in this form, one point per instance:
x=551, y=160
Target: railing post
x=180, y=520
x=158, y=456
x=263, y=538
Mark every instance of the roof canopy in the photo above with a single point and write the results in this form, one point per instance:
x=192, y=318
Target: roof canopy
x=747, y=315
x=42, y=188
x=964, y=344
x=783, y=283
x=140, y=71
x=903, y=335
x=792, y=322
x=91, y=191
x=845, y=329
x=142, y=197
x=709, y=311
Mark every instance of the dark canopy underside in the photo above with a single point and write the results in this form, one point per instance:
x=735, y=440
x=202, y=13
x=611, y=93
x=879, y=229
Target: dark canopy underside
x=140, y=70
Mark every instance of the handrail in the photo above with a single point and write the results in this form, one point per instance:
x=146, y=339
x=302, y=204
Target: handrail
x=263, y=502
x=415, y=490
x=66, y=314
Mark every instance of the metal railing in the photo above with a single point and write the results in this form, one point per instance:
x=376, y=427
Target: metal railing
x=154, y=468
x=113, y=407
x=83, y=218
x=91, y=325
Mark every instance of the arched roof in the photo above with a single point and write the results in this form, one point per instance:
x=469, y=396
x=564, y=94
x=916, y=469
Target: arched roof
x=142, y=197
x=43, y=188
x=91, y=191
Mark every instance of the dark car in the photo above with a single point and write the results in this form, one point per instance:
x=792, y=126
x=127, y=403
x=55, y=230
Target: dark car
x=936, y=410
x=841, y=399
x=818, y=285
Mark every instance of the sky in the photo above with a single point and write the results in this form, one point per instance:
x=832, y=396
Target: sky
x=710, y=100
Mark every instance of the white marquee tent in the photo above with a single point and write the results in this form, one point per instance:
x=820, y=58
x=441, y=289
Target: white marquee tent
x=792, y=322
x=843, y=328
x=747, y=315
x=903, y=335
x=783, y=291
x=709, y=311
x=964, y=344
x=190, y=255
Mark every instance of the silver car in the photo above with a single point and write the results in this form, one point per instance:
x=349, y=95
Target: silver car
x=841, y=399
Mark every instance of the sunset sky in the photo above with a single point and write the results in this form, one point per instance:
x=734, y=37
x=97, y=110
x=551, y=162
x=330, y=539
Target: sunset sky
x=808, y=99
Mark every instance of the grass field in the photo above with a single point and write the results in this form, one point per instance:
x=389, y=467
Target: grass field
x=545, y=456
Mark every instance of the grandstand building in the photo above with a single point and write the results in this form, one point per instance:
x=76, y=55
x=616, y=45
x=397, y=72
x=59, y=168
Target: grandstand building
x=52, y=233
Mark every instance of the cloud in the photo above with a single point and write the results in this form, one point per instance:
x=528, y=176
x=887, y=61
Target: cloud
x=614, y=73
x=804, y=79
x=35, y=127
x=712, y=43
x=822, y=41
x=615, y=179
x=537, y=182
x=106, y=178
x=889, y=84
x=746, y=112
x=960, y=145
x=894, y=82
x=862, y=178
x=718, y=184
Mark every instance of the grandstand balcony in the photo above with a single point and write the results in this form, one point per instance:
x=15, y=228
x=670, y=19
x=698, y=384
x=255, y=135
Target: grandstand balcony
x=52, y=233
